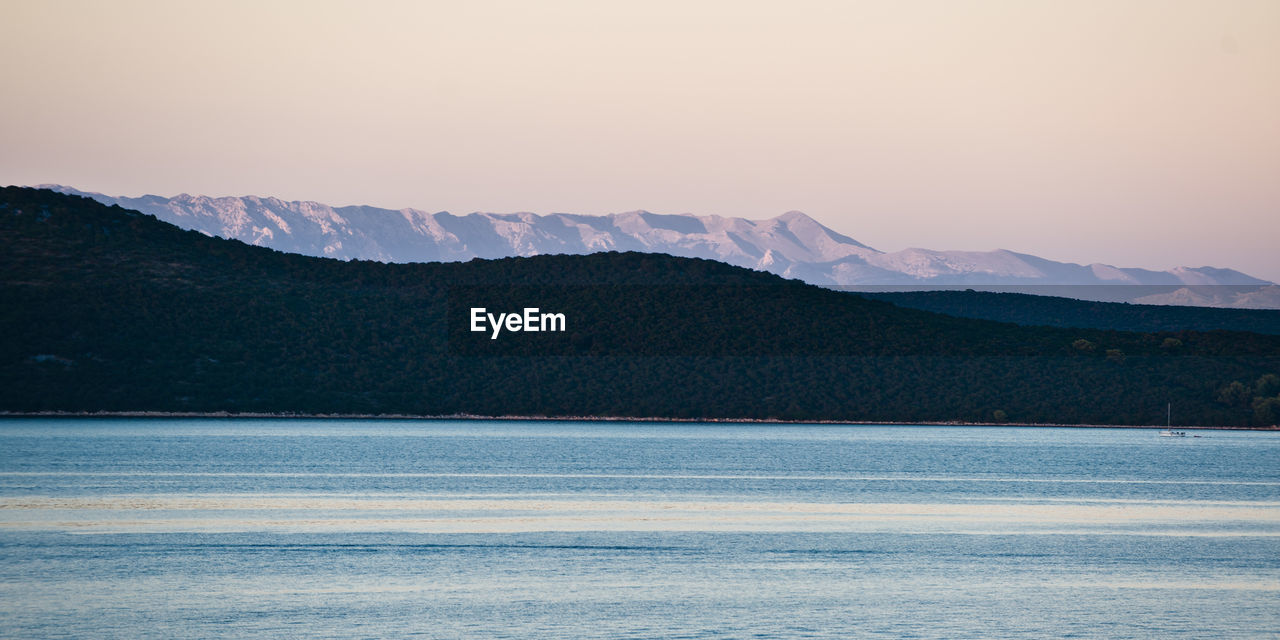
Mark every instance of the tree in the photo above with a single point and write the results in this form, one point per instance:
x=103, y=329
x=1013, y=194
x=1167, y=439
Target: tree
x=1267, y=385
x=1235, y=394
x=1266, y=410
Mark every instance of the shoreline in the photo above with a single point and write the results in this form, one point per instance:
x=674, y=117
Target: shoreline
x=480, y=418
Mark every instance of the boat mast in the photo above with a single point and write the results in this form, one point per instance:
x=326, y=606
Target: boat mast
x=1168, y=416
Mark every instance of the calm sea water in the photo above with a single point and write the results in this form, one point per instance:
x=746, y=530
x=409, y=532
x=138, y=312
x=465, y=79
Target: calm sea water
x=439, y=529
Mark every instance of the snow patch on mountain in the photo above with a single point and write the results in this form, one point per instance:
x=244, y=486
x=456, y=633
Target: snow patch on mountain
x=792, y=245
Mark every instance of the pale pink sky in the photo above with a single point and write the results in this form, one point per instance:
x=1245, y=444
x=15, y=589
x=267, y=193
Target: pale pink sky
x=1132, y=132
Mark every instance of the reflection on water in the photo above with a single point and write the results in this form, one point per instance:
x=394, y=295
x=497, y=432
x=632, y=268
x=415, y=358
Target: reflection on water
x=229, y=513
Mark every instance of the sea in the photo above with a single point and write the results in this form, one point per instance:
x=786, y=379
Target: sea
x=300, y=528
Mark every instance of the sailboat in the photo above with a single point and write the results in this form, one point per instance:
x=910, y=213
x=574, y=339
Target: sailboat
x=1168, y=422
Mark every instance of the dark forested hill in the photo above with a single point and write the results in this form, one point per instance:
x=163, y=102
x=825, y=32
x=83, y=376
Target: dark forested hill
x=1054, y=311
x=108, y=309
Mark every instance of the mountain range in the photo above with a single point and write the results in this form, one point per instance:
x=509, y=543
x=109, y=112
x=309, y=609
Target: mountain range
x=108, y=309
x=791, y=245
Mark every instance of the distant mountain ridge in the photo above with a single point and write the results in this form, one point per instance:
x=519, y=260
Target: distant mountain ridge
x=792, y=245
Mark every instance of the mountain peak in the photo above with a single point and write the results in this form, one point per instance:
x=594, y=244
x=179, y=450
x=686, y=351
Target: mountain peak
x=796, y=215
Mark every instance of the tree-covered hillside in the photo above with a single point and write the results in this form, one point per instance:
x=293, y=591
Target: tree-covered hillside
x=1056, y=311
x=108, y=309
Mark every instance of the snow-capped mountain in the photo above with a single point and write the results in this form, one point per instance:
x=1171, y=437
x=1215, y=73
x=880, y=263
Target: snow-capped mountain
x=791, y=245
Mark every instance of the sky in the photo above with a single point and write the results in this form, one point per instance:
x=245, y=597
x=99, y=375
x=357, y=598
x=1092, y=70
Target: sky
x=1131, y=132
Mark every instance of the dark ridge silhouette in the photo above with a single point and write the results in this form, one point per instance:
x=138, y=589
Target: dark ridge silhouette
x=1055, y=311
